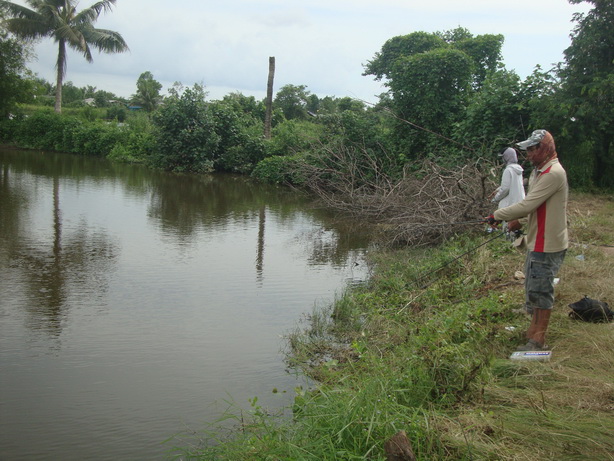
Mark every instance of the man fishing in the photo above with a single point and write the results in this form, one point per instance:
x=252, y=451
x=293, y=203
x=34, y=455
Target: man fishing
x=545, y=206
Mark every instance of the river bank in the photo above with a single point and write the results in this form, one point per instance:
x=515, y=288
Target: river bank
x=424, y=347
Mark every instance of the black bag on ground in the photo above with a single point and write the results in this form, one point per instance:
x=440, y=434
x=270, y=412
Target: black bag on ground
x=591, y=310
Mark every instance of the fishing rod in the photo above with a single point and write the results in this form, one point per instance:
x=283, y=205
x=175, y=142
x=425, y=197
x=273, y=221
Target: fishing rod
x=471, y=250
x=457, y=223
x=423, y=276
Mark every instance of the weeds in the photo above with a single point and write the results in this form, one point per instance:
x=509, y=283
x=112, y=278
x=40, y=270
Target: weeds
x=432, y=360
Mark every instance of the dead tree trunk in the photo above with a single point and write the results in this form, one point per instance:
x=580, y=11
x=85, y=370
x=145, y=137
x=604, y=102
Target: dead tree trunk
x=269, y=99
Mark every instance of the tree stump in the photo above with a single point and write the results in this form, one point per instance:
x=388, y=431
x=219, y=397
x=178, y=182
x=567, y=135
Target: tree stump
x=398, y=448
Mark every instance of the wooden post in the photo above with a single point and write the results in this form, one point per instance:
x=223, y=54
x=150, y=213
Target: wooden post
x=269, y=99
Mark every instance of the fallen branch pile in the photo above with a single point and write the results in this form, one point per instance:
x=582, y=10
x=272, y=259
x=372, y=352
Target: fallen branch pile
x=420, y=207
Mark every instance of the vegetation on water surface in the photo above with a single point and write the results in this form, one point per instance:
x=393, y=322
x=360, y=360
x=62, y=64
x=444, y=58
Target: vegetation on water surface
x=425, y=351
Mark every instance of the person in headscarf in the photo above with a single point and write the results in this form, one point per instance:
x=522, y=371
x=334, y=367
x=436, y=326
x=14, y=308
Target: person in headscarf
x=511, y=190
x=545, y=206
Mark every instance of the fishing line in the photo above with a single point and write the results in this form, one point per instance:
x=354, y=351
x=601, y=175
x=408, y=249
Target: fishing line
x=386, y=109
x=500, y=234
x=471, y=250
x=415, y=125
x=423, y=276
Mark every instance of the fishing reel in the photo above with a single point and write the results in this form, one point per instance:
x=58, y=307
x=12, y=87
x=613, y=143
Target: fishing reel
x=514, y=235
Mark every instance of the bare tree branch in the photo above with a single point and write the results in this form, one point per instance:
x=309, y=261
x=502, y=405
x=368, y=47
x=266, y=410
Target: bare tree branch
x=421, y=207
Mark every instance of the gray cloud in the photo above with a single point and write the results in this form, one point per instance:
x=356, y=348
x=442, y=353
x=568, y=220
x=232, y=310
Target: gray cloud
x=320, y=44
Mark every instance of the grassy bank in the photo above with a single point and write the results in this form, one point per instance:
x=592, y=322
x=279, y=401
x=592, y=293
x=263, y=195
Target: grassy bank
x=423, y=348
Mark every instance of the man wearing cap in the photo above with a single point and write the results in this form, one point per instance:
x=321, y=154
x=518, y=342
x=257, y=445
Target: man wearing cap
x=545, y=205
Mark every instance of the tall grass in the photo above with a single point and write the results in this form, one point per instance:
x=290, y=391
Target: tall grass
x=432, y=359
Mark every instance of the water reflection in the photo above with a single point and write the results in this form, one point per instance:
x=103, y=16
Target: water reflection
x=55, y=262
x=260, y=246
x=184, y=205
x=50, y=267
x=133, y=300
x=13, y=199
x=181, y=205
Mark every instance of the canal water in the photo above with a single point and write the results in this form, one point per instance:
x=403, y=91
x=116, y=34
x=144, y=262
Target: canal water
x=136, y=305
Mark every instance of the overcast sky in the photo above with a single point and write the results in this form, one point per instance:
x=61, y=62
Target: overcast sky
x=322, y=44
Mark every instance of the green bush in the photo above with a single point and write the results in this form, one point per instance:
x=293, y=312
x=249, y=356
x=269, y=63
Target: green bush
x=71, y=133
x=89, y=113
x=43, y=130
x=293, y=137
x=116, y=113
x=51, y=131
x=186, y=140
x=135, y=148
x=97, y=139
x=8, y=128
x=245, y=154
x=279, y=170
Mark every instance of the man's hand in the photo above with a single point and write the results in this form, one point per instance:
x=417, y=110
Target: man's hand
x=514, y=225
x=491, y=221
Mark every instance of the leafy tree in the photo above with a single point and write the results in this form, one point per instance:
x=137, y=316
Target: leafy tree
x=72, y=93
x=328, y=105
x=350, y=104
x=43, y=87
x=229, y=122
x=116, y=113
x=236, y=122
x=103, y=98
x=361, y=132
x=147, y=92
x=538, y=93
x=397, y=47
x=184, y=129
x=455, y=35
x=294, y=136
x=14, y=86
x=430, y=90
x=431, y=78
x=313, y=104
x=495, y=115
x=292, y=100
x=245, y=104
x=485, y=51
x=89, y=91
x=60, y=20
x=586, y=97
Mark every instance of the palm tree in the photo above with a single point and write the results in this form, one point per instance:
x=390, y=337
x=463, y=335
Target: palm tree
x=60, y=20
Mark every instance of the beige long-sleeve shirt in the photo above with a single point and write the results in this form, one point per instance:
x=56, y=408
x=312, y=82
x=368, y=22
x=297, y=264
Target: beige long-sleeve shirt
x=545, y=205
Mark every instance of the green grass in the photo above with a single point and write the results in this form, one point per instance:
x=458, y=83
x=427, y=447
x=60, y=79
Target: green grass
x=431, y=359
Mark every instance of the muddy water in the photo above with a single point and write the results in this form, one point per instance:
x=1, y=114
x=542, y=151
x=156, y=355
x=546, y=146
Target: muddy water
x=135, y=305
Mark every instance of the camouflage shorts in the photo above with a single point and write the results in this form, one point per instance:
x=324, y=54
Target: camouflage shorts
x=540, y=270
